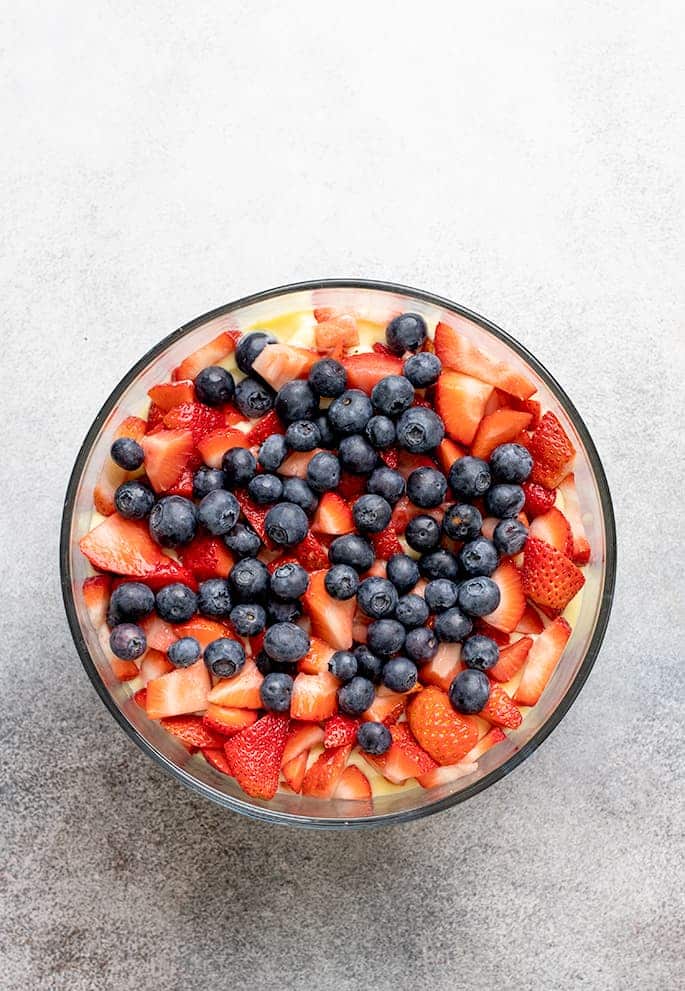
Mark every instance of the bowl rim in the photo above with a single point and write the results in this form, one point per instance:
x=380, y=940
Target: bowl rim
x=274, y=816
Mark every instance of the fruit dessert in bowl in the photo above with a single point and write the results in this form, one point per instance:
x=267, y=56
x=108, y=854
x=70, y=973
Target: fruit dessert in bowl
x=338, y=554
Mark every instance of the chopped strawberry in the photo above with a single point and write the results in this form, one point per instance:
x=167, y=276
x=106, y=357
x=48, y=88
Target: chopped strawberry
x=265, y=427
x=254, y=514
x=353, y=784
x=331, y=619
x=154, y=664
x=155, y=419
x=512, y=602
x=317, y=658
x=254, y=755
x=360, y=627
x=340, y=730
x=408, y=462
x=386, y=708
x=385, y=544
x=390, y=458
x=323, y=776
x=499, y=427
x=456, y=351
x=201, y=420
x=159, y=634
x=365, y=370
x=530, y=622
x=337, y=332
x=112, y=476
x=167, y=453
x=542, y=660
x=301, y=738
x=178, y=692
x=281, y=363
x=531, y=406
x=311, y=553
x=140, y=697
x=581, y=547
x=126, y=548
x=214, y=445
x=294, y=771
x=499, y=636
x=549, y=578
x=241, y=691
x=96, y=592
x=381, y=348
x=538, y=499
x=217, y=758
x=448, y=452
x=500, y=710
x=442, y=669
x=122, y=670
x=447, y=774
x=460, y=401
x=552, y=452
x=443, y=733
x=184, y=486
x=351, y=486
x=170, y=394
x=405, y=759
x=333, y=515
x=511, y=660
x=314, y=697
x=487, y=742
x=207, y=557
x=192, y=732
x=228, y=720
x=295, y=465
x=209, y=354
x=553, y=527
x=204, y=630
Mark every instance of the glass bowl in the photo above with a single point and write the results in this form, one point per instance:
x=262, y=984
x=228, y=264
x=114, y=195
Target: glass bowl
x=375, y=300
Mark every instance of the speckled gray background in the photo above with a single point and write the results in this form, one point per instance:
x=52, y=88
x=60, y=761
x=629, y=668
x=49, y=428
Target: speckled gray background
x=522, y=158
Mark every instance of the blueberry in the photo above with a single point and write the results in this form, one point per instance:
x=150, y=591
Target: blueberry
x=380, y=432
x=266, y=665
x=224, y=657
x=478, y=557
x=343, y=665
x=276, y=691
x=399, y=674
x=356, y=455
x=452, y=626
x=350, y=412
x=403, y=572
x=214, y=386
x=214, y=597
x=129, y=602
x=374, y=738
x=440, y=594
x=479, y=652
x=253, y=398
x=422, y=369
x=272, y=452
x=440, y=563
x=239, y=467
x=127, y=641
x=510, y=536
x=505, y=500
x=303, y=435
x=127, y=453
x=469, y=691
x=392, y=395
x=511, y=463
x=385, y=637
x=296, y=401
x=323, y=472
x=173, y=521
x=134, y=500
x=469, y=477
x=341, y=582
x=289, y=581
x=355, y=696
x=421, y=645
x=478, y=596
x=386, y=482
x=377, y=597
x=184, y=652
x=248, y=619
x=426, y=487
x=422, y=533
x=283, y=612
x=368, y=665
x=176, y=603
x=286, y=524
x=412, y=611
x=406, y=332
x=218, y=512
x=249, y=580
x=206, y=480
x=353, y=550
x=420, y=430
x=371, y=513
x=249, y=347
x=326, y=435
x=462, y=522
x=296, y=490
x=327, y=377
x=286, y=642
x=265, y=489
x=243, y=541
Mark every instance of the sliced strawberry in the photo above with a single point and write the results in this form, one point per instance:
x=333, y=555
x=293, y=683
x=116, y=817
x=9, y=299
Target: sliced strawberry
x=333, y=515
x=553, y=527
x=96, y=593
x=204, y=630
x=442, y=669
x=381, y=348
x=214, y=445
x=314, y=697
x=140, y=697
x=447, y=774
x=112, y=476
x=386, y=708
x=487, y=742
x=167, y=453
x=530, y=622
x=184, y=486
x=351, y=486
x=154, y=665
x=323, y=776
x=538, y=499
x=317, y=658
x=207, y=557
x=254, y=755
x=340, y=730
x=265, y=427
x=201, y=420
x=549, y=578
x=531, y=406
x=227, y=720
x=542, y=660
x=499, y=427
x=385, y=544
x=448, y=452
x=331, y=619
x=294, y=771
x=512, y=602
x=552, y=452
x=456, y=351
x=123, y=670
x=337, y=332
x=210, y=354
x=500, y=710
x=581, y=546
x=125, y=547
x=390, y=458
x=443, y=733
x=360, y=627
x=511, y=660
x=311, y=553
x=155, y=419
x=241, y=691
x=365, y=370
x=301, y=738
x=499, y=636
x=178, y=692
x=461, y=401
x=254, y=514
x=217, y=758
x=408, y=462
x=169, y=394
x=192, y=732
x=281, y=363
x=405, y=759
x=353, y=784
x=295, y=465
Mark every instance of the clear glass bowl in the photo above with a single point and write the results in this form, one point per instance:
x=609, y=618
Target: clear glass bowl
x=373, y=299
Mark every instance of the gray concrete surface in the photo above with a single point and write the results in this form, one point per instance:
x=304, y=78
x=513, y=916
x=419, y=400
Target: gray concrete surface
x=523, y=158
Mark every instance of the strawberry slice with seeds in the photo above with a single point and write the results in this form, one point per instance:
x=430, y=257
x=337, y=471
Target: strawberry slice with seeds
x=155, y=419
x=381, y=348
x=126, y=548
x=217, y=758
x=281, y=363
x=317, y=658
x=254, y=755
x=340, y=730
x=323, y=776
x=214, y=445
x=204, y=630
x=331, y=619
x=207, y=557
x=581, y=547
x=512, y=602
x=461, y=400
x=447, y=774
x=301, y=738
x=192, y=732
x=314, y=697
x=112, y=476
x=500, y=709
x=443, y=733
x=390, y=458
x=553, y=527
x=96, y=593
x=159, y=634
x=178, y=692
x=552, y=452
x=169, y=394
x=405, y=759
x=511, y=659
x=265, y=427
x=254, y=514
x=210, y=354
x=499, y=427
x=531, y=406
x=201, y=420
x=538, y=499
x=530, y=622
x=385, y=544
x=333, y=515
x=549, y=578
x=443, y=668
x=241, y=691
x=167, y=454
x=227, y=720
x=490, y=740
x=365, y=370
x=339, y=332
x=455, y=350
x=294, y=771
x=184, y=486
x=542, y=660
x=311, y=554
x=353, y=785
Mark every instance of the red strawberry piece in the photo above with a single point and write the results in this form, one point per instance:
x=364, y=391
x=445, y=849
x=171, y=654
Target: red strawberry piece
x=538, y=499
x=531, y=406
x=170, y=394
x=112, y=476
x=443, y=733
x=278, y=562
x=210, y=354
x=213, y=446
x=333, y=515
x=499, y=636
x=317, y=658
x=447, y=774
x=391, y=457
x=311, y=554
x=552, y=452
x=184, y=486
x=340, y=730
x=322, y=313
x=301, y=738
x=387, y=706
x=499, y=427
x=314, y=697
x=385, y=544
x=549, y=578
x=140, y=698
x=155, y=419
x=365, y=370
x=126, y=548
x=337, y=332
x=159, y=634
x=167, y=454
x=511, y=660
x=265, y=427
x=201, y=420
x=455, y=350
x=512, y=602
x=461, y=401
x=353, y=784
x=530, y=622
x=500, y=710
x=178, y=692
x=207, y=557
x=381, y=348
x=204, y=630
x=254, y=514
x=351, y=486
x=96, y=592
x=294, y=771
x=281, y=363
x=192, y=732
x=490, y=740
x=323, y=776
x=217, y=758
x=405, y=759
x=254, y=755
x=442, y=669
x=408, y=462
x=448, y=452
x=154, y=665
x=581, y=547
x=167, y=572
x=423, y=402
x=553, y=527
x=542, y=660
x=226, y=720
x=122, y=670
x=295, y=465
x=241, y=691
x=331, y=619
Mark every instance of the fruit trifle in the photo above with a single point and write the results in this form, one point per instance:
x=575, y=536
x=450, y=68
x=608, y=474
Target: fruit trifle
x=335, y=557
